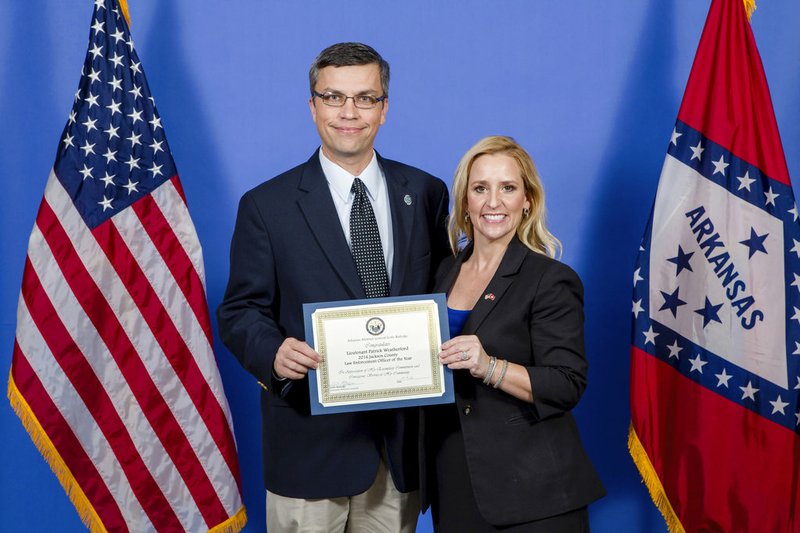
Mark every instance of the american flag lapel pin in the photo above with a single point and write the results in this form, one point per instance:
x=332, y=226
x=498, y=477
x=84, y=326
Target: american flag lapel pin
x=488, y=296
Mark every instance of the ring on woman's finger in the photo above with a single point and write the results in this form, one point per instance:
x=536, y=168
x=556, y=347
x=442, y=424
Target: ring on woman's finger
x=464, y=356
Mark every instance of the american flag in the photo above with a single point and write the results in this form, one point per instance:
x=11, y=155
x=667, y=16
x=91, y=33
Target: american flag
x=715, y=372
x=113, y=371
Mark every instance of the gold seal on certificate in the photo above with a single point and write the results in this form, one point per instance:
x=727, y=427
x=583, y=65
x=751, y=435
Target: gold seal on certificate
x=378, y=355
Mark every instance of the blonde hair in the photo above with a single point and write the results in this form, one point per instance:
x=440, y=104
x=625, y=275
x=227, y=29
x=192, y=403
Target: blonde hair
x=532, y=231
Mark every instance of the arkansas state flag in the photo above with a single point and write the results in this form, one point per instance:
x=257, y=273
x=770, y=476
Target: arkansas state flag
x=715, y=353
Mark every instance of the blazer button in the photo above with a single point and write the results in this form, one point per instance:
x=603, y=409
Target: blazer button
x=467, y=409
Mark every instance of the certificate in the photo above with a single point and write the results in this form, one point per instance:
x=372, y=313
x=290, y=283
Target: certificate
x=379, y=353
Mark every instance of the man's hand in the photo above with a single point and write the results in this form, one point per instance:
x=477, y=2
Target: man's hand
x=294, y=358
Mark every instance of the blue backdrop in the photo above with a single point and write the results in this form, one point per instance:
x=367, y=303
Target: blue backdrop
x=591, y=88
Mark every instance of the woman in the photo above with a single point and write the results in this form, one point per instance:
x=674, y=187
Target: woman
x=507, y=455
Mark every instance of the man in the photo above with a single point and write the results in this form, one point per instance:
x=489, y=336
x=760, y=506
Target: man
x=303, y=237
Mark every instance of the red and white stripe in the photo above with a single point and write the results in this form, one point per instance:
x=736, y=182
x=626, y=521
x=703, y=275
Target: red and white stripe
x=114, y=334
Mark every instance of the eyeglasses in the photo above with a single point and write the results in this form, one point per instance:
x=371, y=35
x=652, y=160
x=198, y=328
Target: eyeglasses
x=361, y=101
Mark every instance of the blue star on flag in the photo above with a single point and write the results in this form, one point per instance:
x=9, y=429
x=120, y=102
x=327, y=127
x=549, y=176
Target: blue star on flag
x=755, y=243
x=682, y=260
x=709, y=312
x=672, y=302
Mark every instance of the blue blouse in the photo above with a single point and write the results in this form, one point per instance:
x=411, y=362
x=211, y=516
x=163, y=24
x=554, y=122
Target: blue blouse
x=457, y=318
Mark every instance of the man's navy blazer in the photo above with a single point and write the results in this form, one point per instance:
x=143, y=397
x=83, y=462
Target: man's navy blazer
x=288, y=248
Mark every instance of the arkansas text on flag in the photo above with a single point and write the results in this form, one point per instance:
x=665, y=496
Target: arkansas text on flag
x=715, y=364
x=113, y=372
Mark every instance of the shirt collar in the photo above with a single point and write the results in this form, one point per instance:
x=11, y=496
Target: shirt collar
x=341, y=181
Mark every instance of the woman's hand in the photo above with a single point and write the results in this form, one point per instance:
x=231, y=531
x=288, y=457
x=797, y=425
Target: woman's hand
x=465, y=352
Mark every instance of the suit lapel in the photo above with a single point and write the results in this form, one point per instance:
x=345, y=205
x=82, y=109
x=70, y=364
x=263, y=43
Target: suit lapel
x=402, y=205
x=446, y=283
x=497, y=287
x=320, y=213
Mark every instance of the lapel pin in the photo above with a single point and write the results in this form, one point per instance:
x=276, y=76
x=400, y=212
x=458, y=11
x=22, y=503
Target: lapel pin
x=488, y=296
x=407, y=199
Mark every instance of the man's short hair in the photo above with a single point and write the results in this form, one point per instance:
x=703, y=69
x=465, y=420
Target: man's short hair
x=348, y=55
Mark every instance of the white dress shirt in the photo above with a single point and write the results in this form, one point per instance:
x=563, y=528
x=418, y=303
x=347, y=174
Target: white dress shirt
x=340, y=183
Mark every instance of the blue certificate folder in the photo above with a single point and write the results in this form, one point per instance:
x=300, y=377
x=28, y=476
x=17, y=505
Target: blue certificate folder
x=444, y=331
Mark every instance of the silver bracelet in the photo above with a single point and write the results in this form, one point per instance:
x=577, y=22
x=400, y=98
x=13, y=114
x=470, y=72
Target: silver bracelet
x=502, y=375
x=490, y=370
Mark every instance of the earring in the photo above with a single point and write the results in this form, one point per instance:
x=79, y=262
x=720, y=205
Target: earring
x=525, y=212
x=466, y=217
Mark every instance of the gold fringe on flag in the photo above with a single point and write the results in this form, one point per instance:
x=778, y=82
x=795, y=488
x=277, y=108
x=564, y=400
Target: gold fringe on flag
x=76, y=495
x=233, y=524
x=45, y=446
x=124, y=5
x=749, y=7
x=650, y=478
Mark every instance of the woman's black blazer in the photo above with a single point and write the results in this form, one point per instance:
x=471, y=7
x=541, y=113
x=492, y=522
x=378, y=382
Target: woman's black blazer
x=526, y=461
